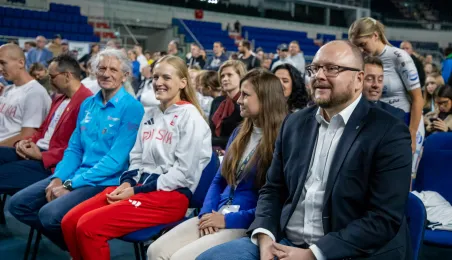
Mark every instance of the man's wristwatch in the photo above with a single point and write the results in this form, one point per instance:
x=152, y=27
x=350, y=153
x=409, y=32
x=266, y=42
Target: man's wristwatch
x=68, y=185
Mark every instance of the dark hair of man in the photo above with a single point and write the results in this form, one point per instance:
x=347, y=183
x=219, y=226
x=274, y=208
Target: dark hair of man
x=295, y=42
x=246, y=44
x=371, y=60
x=66, y=63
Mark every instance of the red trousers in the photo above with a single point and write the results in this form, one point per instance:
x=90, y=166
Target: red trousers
x=88, y=226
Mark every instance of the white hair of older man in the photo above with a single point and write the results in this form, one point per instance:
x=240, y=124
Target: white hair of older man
x=126, y=65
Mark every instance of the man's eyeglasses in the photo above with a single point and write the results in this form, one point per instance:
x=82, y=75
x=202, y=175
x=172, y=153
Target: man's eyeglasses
x=52, y=77
x=328, y=70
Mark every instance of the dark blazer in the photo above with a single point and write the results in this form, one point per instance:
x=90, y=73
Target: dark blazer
x=366, y=191
x=397, y=112
x=227, y=127
x=64, y=128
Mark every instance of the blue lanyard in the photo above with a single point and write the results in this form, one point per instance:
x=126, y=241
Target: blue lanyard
x=238, y=175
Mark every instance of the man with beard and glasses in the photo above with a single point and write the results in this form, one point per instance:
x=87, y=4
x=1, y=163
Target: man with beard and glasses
x=330, y=190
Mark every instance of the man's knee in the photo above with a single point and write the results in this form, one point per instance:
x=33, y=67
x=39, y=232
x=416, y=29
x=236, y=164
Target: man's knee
x=241, y=248
x=87, y=225
x=18, y=207
x=50, y=216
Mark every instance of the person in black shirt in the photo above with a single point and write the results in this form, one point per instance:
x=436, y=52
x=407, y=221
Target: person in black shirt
x=248, y=58
x=196, y=57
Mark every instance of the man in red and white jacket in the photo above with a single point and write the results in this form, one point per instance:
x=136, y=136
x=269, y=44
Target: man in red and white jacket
x=36, y=157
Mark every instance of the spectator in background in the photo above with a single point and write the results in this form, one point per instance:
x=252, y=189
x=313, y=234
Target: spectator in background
x=40, y=74
x=209, y=85
x=114, y=44
x=250, y=60
x=440, y=120
x=237, y=27
x=96, y=156
x=174, y=49
x=65, y=49
x=28, y=46
x=140, y=57
x=432, y=82
x=428, y=69
x=447, y=64
x=35, y=157
x=95, y=48
x=227, y=116
x=283, y=56
x=266, y=64
x=428, y=58
x=373, y=86
x=296, y=55
x=196, y=57
x=260, y=54
x=55, y=45
x=248, y=156
x=146, y=93
x=91, y=80
x=136, y=75
x=293, y=86
x=218, y=58
x=24, y=104
x=40, y=54
x=148, y=56
x=406, y=46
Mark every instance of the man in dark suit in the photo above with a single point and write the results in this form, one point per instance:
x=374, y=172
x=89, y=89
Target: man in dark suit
x=373, y=86
x=339, y=179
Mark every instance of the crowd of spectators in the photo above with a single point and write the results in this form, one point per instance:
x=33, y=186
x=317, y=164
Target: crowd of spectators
x=116, y=141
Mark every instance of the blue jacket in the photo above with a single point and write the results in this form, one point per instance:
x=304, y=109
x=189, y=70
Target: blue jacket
x=214, y=63
x=245, y=195
x=447, y=68
x=32, y=57
x=98, y=151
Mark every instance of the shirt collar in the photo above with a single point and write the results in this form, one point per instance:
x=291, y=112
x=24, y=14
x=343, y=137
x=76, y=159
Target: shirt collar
x=345, y=114
x=113, y=101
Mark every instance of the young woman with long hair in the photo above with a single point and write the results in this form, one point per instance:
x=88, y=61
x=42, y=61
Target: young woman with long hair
x=231, y=200
x=402, y=87
x=172, y=148
x=440, y=120
x=432, y=82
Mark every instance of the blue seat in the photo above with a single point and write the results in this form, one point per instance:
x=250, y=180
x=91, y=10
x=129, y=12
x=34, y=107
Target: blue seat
x=417, y=219
x=197, y=200
x=435, y=174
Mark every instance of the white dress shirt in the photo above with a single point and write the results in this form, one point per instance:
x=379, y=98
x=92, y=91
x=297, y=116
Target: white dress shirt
x=305, y=225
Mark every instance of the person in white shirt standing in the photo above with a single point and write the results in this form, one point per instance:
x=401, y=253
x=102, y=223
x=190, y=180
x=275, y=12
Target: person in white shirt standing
x=140, y=57
x=296, y=55
x=23, y=105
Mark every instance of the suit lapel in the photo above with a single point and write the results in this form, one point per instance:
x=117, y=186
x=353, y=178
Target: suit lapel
x=351, y=131
x=309, y=131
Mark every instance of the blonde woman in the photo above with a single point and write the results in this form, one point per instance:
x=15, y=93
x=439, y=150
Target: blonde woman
x=172, y=148
x=402, y=88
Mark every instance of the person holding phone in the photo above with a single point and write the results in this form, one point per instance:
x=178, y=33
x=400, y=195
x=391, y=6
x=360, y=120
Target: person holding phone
x=440, y=120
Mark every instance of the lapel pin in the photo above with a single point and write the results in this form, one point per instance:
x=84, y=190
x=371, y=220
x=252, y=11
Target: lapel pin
x=357, y=127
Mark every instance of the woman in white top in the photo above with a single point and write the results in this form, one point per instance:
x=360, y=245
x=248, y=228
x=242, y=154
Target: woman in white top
x=402, y=88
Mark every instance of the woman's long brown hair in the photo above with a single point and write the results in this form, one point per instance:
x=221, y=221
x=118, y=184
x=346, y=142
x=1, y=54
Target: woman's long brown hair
x=273, y=110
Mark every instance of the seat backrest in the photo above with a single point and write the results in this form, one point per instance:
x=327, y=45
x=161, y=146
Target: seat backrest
x=204, y=183
x=435, y=171
x=417, y=219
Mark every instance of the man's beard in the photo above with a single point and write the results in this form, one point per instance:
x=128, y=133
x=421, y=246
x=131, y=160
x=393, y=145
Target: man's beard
x=335, y=99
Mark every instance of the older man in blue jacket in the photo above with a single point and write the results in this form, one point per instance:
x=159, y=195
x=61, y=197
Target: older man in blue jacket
x=40, y=54
x=97, y=154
